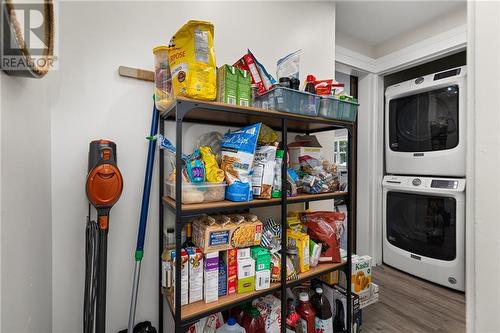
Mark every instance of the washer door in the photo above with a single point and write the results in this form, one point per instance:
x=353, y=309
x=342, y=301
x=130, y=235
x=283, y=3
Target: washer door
x=425, y=225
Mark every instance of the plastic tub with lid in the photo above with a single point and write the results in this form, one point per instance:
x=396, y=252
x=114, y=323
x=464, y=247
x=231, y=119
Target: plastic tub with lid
x=198, y=192
x=289, y=100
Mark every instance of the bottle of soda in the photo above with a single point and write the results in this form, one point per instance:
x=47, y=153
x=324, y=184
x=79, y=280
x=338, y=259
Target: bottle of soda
x=306, y=312
x=323, y=321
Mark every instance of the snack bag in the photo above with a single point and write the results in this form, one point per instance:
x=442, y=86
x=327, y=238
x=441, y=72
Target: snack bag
x=263, y=173
x=238, y=149
x=192, y=61
x=195, y=167
x=212, y=172
x=288, y=66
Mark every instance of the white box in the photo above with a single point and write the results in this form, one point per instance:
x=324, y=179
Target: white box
x=295, y=152
x=195, y=274
x=184, y=275
x=246, y=267
x=211, y=277
x=244, y=253
x=369, y=296
x=262, y=279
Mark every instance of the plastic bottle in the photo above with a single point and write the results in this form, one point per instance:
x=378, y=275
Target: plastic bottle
x=310, y=84
x=231, y=326
x=321, y=305
x=307, y=314
x=253, y=322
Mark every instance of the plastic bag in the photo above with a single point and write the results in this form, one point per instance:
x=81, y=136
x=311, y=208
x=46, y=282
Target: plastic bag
x=238, y=149
x=288, y=66
x=325, y=228
x=212, y=172
x=195, y=167
x=263, y=173
x=192, y=61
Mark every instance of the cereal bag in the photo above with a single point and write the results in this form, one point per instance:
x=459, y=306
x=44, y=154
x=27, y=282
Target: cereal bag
x=192, y=61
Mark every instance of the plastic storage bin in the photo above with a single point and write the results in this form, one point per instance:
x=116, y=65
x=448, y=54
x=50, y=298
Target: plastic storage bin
x=332, y=107
x=163, y=78
x=199, y=192
x=289, y=100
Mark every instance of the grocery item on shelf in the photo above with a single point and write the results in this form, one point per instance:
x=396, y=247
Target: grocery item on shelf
x=195, y=274
x=207, y=324
x=309, y=87
x=192, y=61
x=337, y=297
x=301, y=241
x=213, y=233
x=314, y=253
x=262, y=258
x=166, y=271
x=188, y=236
x=304, y=145
x=291, y=274
x=230, y=260
x=244, y=95
x=248, y=230
x=211, y=277
x=292, y=189
x=227, y=84
x=317, y=176
x=238, y=312
x=271, y=235
x=222, y=275
x=263, y=171
x=213, y=173
x=253, y=321
x=306, y=313
x=231, y=327
x=238, y=149
x=292, y=317
x=263, y=279
x=369, y=297
x=184, y=275
x=293, y=254
x=331, y=278
x=198, y=193
x=361, y=274
x=244, y=252
x=212, y=140
x=269, y=307
x=163, y=78
x=195, y=167
x=276, y=193
x=323, y=321
x=246, y=268
x=325, y=228
x=288, y=66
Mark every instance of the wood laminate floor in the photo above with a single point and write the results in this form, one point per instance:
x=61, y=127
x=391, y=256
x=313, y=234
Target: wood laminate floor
x=411, y=305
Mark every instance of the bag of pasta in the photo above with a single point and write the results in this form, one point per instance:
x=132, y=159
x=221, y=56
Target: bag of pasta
x=192, y=61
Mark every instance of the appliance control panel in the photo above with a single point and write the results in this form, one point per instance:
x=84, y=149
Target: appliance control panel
x=446, y=184
x=417, y=183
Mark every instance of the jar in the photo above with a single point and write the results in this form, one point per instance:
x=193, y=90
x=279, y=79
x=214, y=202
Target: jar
x=163, y=78
x=293, y=254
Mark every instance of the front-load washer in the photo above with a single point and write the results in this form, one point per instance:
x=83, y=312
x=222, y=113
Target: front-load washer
x=425, y=125
x=423, y=228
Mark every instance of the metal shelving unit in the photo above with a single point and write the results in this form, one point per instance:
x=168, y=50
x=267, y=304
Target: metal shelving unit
x=184, y=110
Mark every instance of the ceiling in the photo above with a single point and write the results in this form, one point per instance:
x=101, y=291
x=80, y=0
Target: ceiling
x=375, y=22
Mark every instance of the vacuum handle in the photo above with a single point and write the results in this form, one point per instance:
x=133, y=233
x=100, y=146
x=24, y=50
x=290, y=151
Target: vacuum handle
x=101, y=281
x=103, y=221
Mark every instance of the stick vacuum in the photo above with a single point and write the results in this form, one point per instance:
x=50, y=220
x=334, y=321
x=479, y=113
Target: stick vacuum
x=104, y=187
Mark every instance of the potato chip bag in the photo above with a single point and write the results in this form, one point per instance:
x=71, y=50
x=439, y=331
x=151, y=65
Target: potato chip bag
x=192, y=61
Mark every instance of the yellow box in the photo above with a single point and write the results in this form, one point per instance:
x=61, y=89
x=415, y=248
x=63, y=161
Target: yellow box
x=302, y=243
x=331, y=278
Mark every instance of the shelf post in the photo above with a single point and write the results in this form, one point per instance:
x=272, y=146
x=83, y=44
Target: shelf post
x=348, y=269
x=160, y=226
x=284, y=207
x=178, y=214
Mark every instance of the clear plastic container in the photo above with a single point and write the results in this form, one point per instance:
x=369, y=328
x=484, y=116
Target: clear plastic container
x=334, y=108
x=163, y=78
x=231, y=326
x=198, y=192
x=289, y=100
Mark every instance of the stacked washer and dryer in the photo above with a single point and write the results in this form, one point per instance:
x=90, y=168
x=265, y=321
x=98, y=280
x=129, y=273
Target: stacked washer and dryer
x=424, y=186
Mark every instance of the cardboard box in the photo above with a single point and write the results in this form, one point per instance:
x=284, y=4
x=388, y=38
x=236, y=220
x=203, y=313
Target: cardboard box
x=262, y=258
x=230, y=259
x=361, y=275
x=330, y=278
x=295, y=152
x=246, y=285
x=211, y=277
x=222, y=277
x=184, y=275
x=195, y=274
x=227, y=84
x=302, y=242
x=245, y=234
x=337, y=293
x=244, y=87
x=263, y=279
x=209, y=238
x=246, y=267
x=369, y=296
x=244, y=253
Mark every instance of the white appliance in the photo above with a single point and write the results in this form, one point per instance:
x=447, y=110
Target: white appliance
x=425, y=125
x=424, y=223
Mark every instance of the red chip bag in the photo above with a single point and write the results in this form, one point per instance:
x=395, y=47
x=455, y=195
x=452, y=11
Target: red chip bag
x=325, y=228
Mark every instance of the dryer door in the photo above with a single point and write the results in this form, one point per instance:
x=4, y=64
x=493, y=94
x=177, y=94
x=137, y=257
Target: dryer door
x=422, y=224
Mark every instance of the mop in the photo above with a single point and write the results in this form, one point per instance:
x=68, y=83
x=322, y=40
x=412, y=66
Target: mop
x=139, y=251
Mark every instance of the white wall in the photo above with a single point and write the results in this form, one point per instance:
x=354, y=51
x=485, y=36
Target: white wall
x=483, y=296
x=26, y=229
x=91, y=101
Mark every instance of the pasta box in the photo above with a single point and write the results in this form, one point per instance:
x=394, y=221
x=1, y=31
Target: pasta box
x=212, y=237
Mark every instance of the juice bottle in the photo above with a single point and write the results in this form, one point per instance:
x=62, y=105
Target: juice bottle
x=321, y=305
x=307, y=314
x=253, y=322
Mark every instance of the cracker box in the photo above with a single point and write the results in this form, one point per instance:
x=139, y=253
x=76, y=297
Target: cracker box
x=244, y=87
x=195, y=274
x=361, y=275
x=262, y=258
x=246, y=267
x=184, y=275
x=230, y=260
x=302, y=242
x=263, y=279
x=247, y=233
x=246, y=285
x=212, y=237
x=222, y=277
x=211, y=277
x=227, y=84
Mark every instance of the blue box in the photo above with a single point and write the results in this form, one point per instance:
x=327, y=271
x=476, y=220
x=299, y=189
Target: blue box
x=222, y=277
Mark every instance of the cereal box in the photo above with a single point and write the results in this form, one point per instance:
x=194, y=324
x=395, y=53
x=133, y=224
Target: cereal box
x=195, y=274
x=361, y=275
x=230, y=260
x=222, y=277
x=184, y=276
x=211, y=277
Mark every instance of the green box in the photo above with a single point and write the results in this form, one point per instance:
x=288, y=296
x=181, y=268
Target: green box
x=262, y=258
x=227, y=84
x=244, y=87
x=246, y=285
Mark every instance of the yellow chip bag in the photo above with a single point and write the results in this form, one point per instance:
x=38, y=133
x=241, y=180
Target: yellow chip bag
x=192, y=61
x=212, y=172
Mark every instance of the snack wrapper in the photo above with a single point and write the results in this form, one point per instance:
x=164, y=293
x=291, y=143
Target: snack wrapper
x=212, y=172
